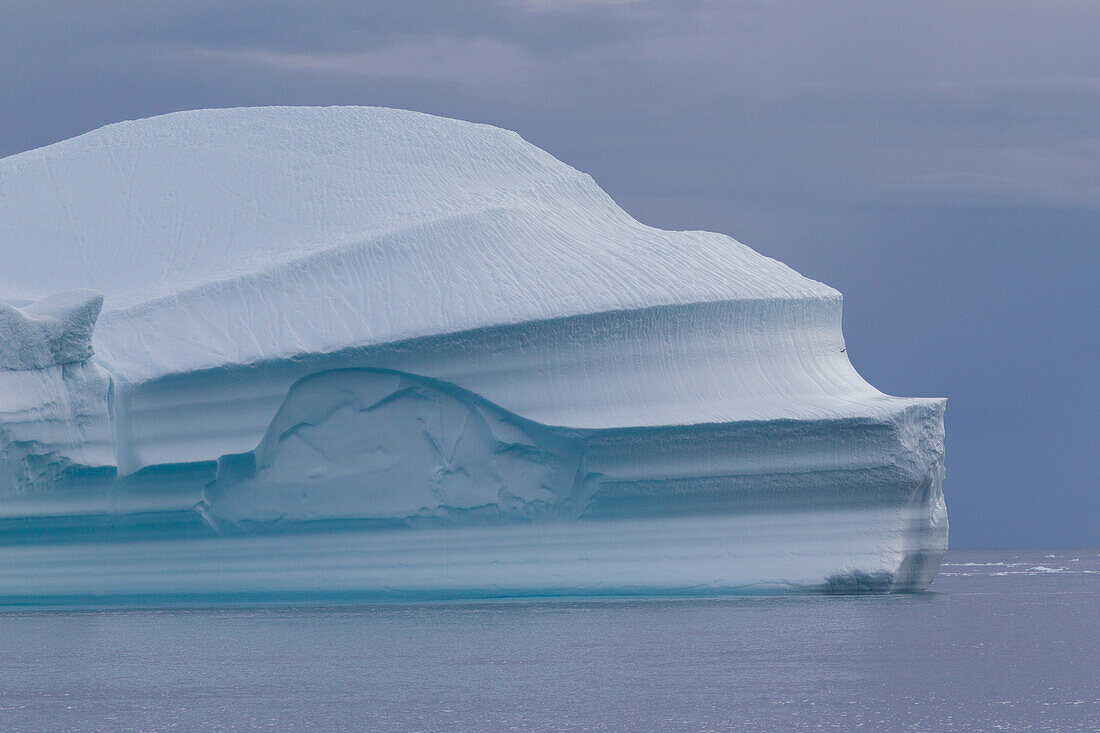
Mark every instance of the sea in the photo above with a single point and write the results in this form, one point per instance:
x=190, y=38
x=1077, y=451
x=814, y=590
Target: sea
x=1001, y=641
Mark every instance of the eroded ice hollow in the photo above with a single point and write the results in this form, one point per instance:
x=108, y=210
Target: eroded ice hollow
x=366, y=353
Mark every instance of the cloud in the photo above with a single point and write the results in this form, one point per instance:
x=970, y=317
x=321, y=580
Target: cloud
x=845, y=103
x=461, y=61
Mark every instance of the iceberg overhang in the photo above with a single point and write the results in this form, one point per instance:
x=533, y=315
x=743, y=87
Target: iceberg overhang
x=358, y=353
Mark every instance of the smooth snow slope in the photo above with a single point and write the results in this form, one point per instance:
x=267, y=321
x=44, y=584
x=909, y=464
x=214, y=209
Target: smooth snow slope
x=371, y=315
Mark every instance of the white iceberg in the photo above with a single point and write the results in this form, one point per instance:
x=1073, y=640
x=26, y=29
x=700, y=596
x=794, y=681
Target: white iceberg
x=368, y=353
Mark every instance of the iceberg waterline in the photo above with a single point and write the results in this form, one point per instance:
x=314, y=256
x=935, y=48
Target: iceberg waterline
x=368, y=353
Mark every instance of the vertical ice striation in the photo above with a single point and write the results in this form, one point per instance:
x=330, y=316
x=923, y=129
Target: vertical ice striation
x=352, y=353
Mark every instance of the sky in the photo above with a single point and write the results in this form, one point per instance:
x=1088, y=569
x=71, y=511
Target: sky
x=937, y=162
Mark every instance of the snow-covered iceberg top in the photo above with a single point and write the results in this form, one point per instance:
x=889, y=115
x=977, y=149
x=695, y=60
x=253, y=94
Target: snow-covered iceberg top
x=237, y=235
x=379, y=319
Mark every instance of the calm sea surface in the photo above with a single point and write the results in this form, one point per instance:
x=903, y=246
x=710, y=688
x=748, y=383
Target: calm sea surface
x=1003, y=641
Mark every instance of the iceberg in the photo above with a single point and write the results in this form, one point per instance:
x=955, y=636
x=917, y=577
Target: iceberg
x=316, y=354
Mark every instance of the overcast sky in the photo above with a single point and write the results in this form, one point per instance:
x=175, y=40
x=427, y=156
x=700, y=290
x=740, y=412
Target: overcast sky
x=938, y=162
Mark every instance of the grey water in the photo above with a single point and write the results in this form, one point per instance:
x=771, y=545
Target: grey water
x=1001, y=641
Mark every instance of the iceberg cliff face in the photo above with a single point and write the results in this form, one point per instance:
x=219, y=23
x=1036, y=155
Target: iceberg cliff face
x=428, y=360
